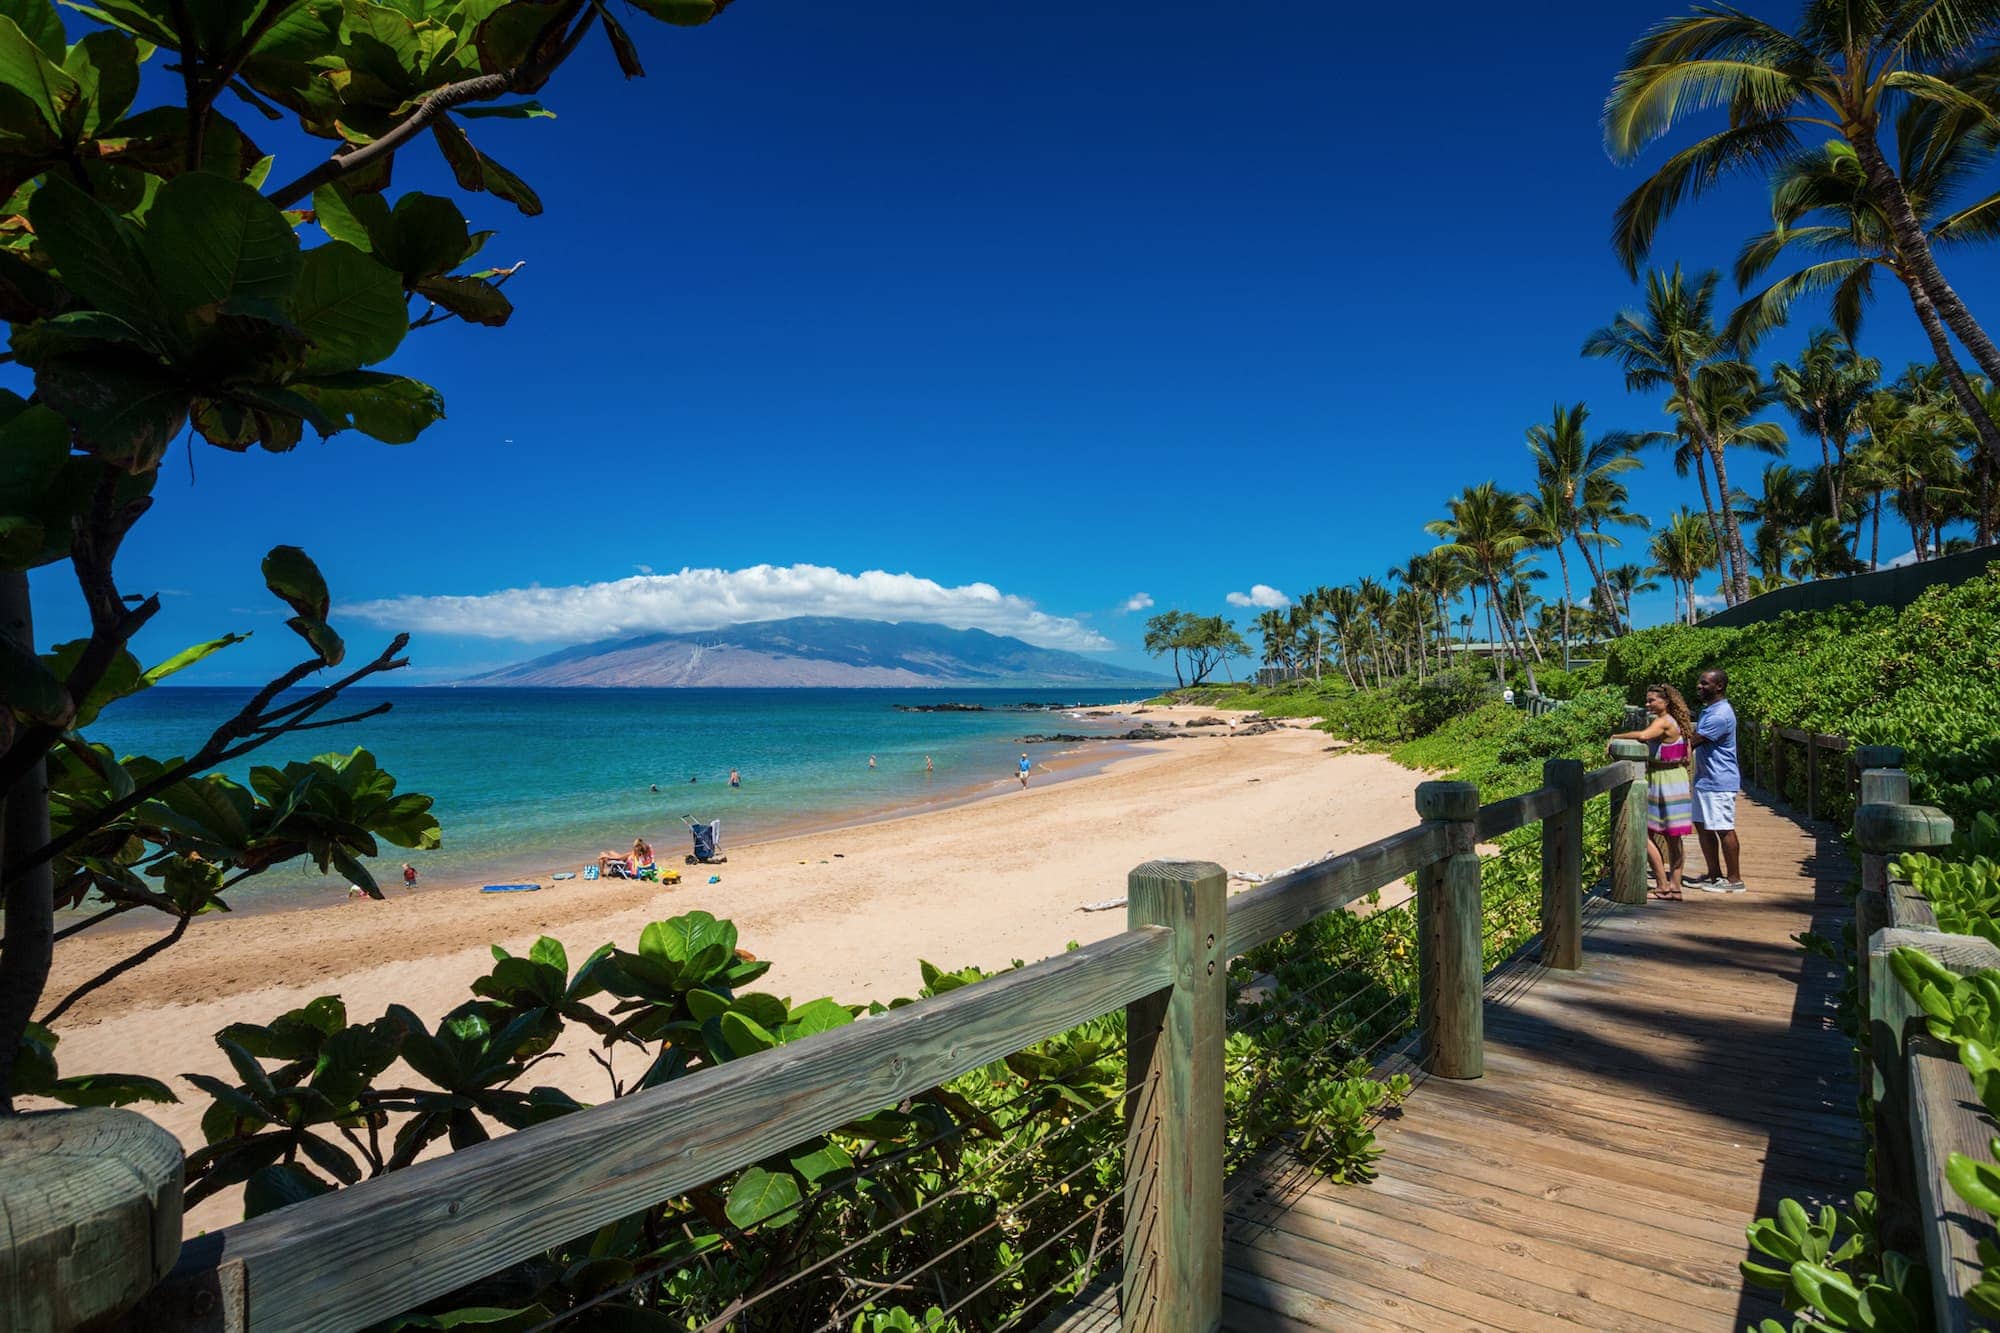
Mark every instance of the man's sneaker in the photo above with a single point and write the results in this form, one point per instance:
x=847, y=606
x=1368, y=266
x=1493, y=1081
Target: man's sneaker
x=1721, y=886
x=1701, y=881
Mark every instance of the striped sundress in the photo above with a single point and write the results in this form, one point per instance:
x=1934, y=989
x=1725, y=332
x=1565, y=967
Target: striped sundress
x=1669, y=796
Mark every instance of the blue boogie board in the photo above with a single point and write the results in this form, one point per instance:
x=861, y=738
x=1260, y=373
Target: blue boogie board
x=511, y=888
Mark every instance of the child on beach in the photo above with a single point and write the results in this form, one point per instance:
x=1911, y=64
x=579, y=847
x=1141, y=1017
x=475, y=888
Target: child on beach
x=409, y=876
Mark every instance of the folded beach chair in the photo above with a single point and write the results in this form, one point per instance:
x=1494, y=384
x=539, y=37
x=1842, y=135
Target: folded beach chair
x=707, y=842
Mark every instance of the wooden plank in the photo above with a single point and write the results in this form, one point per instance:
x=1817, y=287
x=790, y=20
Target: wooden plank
x=1258, y=916
x=1172, y=1250
x=1518, y=812
x=386, y=1245
x=1450, y=960
x=1908, y=909
x=1562, y=868
x=1267, y=1292
x=1946, y=1117
x=1628, y=768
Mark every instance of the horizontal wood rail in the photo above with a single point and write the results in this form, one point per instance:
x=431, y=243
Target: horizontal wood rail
x=381, y=1247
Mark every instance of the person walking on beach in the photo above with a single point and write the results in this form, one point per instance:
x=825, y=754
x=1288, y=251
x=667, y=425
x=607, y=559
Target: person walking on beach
x=1669, y=798
x=1025, y=766
x=1716, y=780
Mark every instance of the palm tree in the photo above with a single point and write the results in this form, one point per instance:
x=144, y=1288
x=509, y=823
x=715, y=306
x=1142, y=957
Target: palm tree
x=1375, y=599
x=1915, y=429
x=1484, y=527
x=1852, y=239
x=1820, y=551
x=1682, y=550
x=1312, y=606
x=1276, y=628
x=1542, y=518
x=1824, y=393
x=1848, y=60
x=1628, y=581
x=1342, y=607
x=1574, y=471
x=1667, y=346
x=1779, y=513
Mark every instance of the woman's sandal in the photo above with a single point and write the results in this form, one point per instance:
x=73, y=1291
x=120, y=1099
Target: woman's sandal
x=1665, y=895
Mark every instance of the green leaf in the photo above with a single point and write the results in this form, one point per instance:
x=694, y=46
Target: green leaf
x=510, y=111
x=428, y=237
x=34, y=464
x=123, y=406
x=745, y=1036
x=394, y=409
x=476, y=171
x=30, y=688
x=320, y=637
x=26, y=69
x=39, y=20
x=550, y=952
x=1978, y=1183
x=682, y=13
x=278, y=1186
x=472, y=299
x=291, y=574
x=212, y=239
x=105, y=66
x=350, y=306
x=816, y=1017
x=759, y=1195
x=357, y=219
x=109, y=1090
x=187, y=657
x=97, y=254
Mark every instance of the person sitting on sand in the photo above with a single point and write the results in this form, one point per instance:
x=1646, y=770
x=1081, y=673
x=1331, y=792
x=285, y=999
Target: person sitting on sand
x=630, y=863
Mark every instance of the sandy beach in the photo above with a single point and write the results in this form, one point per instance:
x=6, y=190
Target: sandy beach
x=845, y=913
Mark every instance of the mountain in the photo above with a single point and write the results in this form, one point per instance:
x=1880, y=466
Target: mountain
x=811, y=650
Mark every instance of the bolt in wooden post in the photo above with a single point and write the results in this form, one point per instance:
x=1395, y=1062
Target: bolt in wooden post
x=1451, y=967
x=1562, y=868
x=1174, y=1130
x=1628, y=828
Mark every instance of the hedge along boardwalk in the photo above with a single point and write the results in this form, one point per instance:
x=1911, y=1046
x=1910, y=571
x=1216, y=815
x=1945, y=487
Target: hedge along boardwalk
x=1634, y=1118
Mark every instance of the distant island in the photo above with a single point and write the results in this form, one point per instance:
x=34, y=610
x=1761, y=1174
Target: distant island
x=811, y=651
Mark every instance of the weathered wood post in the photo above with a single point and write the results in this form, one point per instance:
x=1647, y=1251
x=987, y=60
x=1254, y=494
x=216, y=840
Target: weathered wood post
x=1879, y=787
x=1450, y=941
x=1813, y=777
x=90, y=1215
x=1780, y=766
x=1174, y=1134
x=1562, y=867
x=1628, y=827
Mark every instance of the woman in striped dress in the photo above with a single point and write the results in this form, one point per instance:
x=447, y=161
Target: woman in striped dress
x=1669, y=794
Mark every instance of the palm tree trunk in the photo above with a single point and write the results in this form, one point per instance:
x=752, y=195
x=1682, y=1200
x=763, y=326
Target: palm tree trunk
x=1832, y=481
x=1708, y=504
x=1562, y=560
x=1875, y=538
x=1739, y=558
x=1493, y=641
x=1914, y=248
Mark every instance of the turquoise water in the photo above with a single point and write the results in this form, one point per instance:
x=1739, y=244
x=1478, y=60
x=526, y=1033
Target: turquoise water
x=528, y=780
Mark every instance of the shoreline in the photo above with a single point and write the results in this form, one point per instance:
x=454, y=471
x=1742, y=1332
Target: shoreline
x=846, y=913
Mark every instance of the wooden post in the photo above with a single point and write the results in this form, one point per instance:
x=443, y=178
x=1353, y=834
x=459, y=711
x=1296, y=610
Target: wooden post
x=1780, y=766
x=1173, y=1141
x=1628, y=828
x=1562, y=867
x=90, y=1215
x=1812, y=777
x=1450, y=942
x=1879, y=787
x=1892, y=1017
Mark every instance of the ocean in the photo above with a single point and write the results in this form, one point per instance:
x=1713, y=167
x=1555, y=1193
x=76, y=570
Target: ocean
x=527, y=781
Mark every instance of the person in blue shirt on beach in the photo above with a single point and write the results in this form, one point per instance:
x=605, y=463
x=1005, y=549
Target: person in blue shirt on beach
x=1025, y=766
x=1717, y=779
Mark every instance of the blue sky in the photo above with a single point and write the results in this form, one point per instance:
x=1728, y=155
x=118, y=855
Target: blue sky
x=1077, y=301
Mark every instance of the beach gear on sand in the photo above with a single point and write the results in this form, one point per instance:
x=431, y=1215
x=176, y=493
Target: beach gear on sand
x=590, y=872
x=715, y=879
x=707, y=842
x=670, y=876
x=563, y=874
x=510, y=888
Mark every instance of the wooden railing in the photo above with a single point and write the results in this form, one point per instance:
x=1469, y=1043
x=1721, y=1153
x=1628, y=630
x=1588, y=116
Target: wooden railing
x=387, y=1245
x=1923, y=1103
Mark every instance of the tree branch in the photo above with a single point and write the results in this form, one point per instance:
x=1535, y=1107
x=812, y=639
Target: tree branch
x=522, y=78
x=81, y=926
x=116, y=970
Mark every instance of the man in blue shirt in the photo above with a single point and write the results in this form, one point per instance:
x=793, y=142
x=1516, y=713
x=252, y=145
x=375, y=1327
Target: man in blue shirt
x=1025, y=766
x=1716, y=781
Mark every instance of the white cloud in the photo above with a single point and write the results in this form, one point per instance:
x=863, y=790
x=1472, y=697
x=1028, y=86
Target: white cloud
x=1710, y=601
x=1138, y=601
x=1908, y=557
x=1260, y=594
x=697, y=599
x=643, y=569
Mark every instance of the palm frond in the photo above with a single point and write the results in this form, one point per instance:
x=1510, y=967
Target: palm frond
x=1770, y=308
x=1688, y=174
x=1975, y=222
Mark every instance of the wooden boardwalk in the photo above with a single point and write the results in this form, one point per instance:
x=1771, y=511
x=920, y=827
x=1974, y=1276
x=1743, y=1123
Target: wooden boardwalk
x=1634, y=1117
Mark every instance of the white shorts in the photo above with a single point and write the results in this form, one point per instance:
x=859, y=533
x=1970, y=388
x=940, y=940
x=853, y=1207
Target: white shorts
x=1715, y=810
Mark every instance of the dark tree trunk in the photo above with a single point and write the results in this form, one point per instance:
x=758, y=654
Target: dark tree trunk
x=29, y=911
x=1714, y=522
x=1969, y=402
x=1729, y=533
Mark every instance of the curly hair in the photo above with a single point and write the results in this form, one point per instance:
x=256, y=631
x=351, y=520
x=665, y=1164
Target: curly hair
x=1677, y=709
